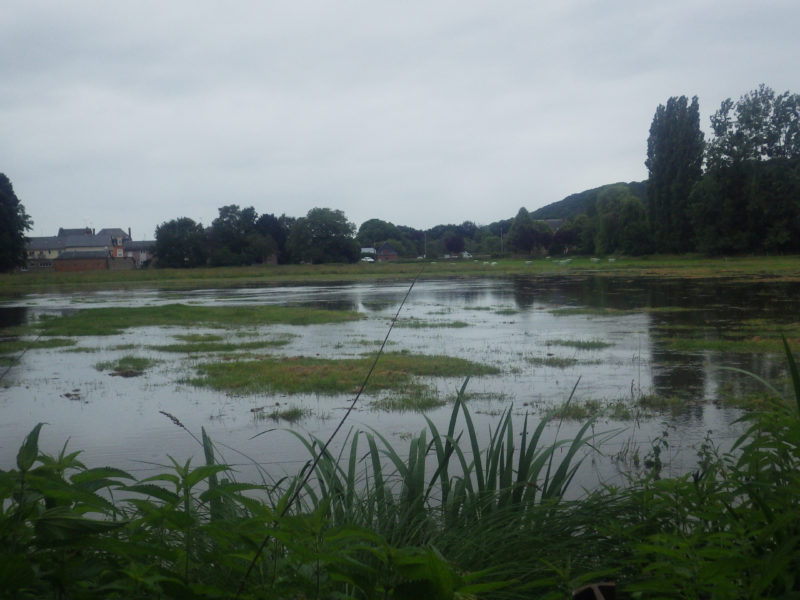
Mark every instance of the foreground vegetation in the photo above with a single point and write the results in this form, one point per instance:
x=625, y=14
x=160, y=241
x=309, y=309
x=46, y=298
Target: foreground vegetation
x=442, y=519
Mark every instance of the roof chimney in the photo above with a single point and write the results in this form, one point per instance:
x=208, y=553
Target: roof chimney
x=129, y=233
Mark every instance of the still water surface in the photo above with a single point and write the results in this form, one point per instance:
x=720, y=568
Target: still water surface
x=511, y=323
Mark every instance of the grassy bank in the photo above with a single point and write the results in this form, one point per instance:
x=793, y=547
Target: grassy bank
x=112, y=321
x=440, y=519
x=761, y=267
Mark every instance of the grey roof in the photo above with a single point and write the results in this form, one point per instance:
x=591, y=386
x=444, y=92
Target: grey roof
x=138, y=245
x=113, y=232
x=72, y=254
x=70, y=232
x=77, y=238
x=45, y=243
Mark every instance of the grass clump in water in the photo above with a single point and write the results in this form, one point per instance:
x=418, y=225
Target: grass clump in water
x=555, y=362
x=659, y=403
x=580, y=344
x=127, y=366
x=300, y=374
x=112, y=321
x=420, y=324
x=15, y=346
x=291, y=414
x=414, y=399
x=215, y=346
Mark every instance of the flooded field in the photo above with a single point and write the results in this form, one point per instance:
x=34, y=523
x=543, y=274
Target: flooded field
x=649, y=358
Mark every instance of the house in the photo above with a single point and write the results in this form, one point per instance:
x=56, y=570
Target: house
x=386, y=252
x=142, y=253
x=84, y=249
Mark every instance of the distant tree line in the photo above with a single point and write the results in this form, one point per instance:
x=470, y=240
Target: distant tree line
x=738, y=192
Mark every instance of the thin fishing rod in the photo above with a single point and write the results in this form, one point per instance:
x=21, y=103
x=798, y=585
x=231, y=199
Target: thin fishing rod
x=327, y=444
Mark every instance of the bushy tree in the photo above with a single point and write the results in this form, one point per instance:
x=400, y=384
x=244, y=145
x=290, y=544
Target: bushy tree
x=323, y=235
x=14, y=222
x=374, y=232
x=181, y=243
x=749, y=198
x=521, y=236
x=674, y=162
x=759, y=126
x=621, y=222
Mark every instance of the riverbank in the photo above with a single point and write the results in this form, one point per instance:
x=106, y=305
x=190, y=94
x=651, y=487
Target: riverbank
x=761, y=268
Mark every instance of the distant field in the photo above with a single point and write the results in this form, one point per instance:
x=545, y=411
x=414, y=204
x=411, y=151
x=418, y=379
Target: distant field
x=763, y=268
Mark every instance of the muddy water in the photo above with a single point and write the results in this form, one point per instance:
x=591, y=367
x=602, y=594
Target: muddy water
x=515, y=324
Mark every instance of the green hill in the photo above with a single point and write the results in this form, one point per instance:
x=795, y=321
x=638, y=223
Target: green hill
x=576, y=204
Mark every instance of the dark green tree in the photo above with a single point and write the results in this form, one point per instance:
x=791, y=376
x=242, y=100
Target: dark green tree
x=759, y=126
x=323, y=235
x=231, y=234
x=14, y=222
x=374, y=232
x=521, y=236
x=454, y=242
x=674, y=163
x=621, y=222
x=749, y=198
x=276, y=229
x=181, y=243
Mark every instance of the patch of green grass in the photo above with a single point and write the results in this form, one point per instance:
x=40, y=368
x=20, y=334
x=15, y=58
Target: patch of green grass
x=580, y=344
x=83, y=350
x=214, y=346
x=111, y=321
x=15, y=346
x=556, y=362
x=375, y=343
x=742, y=344
x=7, y=361
x=420, y=324
x=127, y=365
x=586, y=310
x=506, y=311
x=477, y=308
x=575, y=410
x=417, y=399
x=298, y=375
x=659, y=403
x=292, y=414
x=194, y=338
x=125, y=347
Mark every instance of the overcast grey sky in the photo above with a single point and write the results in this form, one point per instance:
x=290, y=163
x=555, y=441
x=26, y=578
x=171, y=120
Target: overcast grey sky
x=129, y=114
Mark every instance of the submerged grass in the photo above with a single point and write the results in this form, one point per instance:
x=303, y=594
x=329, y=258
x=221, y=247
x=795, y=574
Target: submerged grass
x=291, y=414
x=420, y=324
x=297, y=375
x=112, y=321
x=128, y=365
x=213, y=346
x=555, y=362
x=411, y=399
x=21, y=345
x=580, y=344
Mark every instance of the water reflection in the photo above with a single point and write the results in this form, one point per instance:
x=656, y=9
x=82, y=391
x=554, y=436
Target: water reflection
x=11, y=316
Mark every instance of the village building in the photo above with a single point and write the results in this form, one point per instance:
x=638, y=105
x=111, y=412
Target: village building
x=87, y=250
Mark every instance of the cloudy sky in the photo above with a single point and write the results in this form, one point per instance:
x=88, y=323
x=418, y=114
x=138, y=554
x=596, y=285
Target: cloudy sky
x=129, y=114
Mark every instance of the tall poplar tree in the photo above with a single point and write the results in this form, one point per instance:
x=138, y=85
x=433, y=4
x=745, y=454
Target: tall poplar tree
x=674, y=163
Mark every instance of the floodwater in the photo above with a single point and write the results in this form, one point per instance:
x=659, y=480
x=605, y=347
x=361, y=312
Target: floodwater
x=514, y=324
